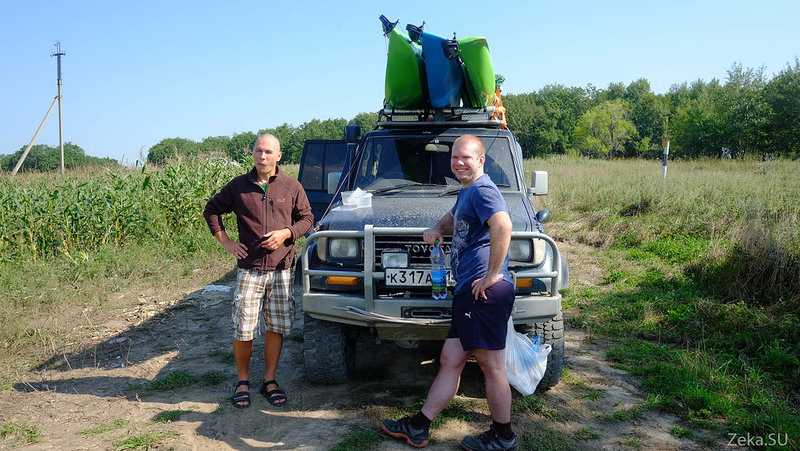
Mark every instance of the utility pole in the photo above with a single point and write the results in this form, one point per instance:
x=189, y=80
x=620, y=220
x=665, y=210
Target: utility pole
x=58, y=55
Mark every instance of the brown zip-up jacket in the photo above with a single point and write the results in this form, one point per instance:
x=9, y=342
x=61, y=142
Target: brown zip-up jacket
x=283, y=205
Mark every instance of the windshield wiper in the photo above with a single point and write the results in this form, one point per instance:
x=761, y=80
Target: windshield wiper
x=392, y=188
x=449, y=191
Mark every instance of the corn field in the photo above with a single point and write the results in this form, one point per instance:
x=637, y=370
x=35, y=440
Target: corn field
x=42, y=215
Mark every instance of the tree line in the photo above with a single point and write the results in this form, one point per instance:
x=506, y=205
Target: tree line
x=43, y=158
x=746, y=115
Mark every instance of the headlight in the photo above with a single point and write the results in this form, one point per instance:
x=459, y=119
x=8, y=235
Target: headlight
x=394, y=259
x=520, y=250
x=343, y=247
x=539, y=251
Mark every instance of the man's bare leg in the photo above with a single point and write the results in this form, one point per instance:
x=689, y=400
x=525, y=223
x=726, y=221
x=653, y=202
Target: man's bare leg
x=498, y=392
x=242, y=351
x=445, y=386
x=273, y=344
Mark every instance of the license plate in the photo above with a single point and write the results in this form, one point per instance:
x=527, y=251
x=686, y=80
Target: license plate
x=408, y=277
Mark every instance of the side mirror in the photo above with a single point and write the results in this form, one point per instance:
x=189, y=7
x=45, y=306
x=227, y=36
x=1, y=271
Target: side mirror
x=333, y=182
x=538, y=183
x=352, y=133
x=542, y=215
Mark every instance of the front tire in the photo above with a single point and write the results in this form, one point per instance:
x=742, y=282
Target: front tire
x=328, y=351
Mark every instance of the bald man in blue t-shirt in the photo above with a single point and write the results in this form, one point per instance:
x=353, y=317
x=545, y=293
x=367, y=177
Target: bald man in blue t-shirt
x=484, y=296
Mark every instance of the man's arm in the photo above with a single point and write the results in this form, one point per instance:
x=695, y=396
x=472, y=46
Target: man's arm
x=444, y=226
x=236, y=248
x=499, y=240
x=215, y=207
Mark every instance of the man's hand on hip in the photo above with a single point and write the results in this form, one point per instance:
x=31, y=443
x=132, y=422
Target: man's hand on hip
x=479, y=286
x=236, y=248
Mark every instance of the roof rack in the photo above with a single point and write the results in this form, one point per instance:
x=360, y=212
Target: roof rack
x=440, y=117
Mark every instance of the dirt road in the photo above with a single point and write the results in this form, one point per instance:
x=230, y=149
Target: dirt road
x=107, y=380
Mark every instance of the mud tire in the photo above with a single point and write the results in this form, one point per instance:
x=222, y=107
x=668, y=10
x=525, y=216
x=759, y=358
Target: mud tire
x=328, y=351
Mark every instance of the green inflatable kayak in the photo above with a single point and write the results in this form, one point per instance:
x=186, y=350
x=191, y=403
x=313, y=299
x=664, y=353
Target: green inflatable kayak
x=405, y=73
x=479, y=72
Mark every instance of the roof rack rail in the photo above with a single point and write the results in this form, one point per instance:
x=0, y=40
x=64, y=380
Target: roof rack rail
x=440, y=117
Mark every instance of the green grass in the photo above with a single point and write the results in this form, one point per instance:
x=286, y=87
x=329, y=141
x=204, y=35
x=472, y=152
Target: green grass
x=178, y=379
x=222, y=356
x=361, y=440
x=143, y=441
x=592, y=395
x=535, y=404
x=20, y=433
x=169, y=416
x=588, y=434
x=632, y=442
x=97, y=430
x=701, y=283
x=632, y=413
x=681, y=432
x=544, y=438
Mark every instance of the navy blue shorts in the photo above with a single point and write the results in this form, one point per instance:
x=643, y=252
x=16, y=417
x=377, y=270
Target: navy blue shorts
x=482, y=324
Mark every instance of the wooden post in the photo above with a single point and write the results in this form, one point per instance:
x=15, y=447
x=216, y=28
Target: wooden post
x=36, y=135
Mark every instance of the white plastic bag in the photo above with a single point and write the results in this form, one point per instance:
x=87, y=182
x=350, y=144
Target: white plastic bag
x=526, y=361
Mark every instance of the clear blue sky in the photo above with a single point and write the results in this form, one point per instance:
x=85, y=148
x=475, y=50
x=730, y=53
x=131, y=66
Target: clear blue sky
x=140, y=71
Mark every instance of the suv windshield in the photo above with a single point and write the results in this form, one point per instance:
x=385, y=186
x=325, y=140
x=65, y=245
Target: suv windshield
x=397, y=161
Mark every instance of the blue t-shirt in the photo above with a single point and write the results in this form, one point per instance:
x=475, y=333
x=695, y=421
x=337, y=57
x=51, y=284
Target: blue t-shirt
x=469, y=255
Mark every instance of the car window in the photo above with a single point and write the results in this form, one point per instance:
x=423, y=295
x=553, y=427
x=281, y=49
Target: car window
x=311, y=178
x=320, y=159
x=392, y=160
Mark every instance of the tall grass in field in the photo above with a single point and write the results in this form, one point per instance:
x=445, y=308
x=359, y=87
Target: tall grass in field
x=745, y=215
x=68, y=242
x=702, y=280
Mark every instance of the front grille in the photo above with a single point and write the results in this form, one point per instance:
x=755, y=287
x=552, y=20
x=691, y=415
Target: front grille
x=419, y=251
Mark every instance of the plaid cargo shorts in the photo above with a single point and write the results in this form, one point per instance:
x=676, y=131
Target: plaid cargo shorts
x=266, y=292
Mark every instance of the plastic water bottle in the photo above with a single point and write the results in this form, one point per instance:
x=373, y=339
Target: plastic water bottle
x=438, y=272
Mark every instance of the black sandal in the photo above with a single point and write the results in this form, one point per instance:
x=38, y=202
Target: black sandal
x=242, y=396
x=275, y=397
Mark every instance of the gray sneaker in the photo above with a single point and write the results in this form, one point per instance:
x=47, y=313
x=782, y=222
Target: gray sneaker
x=404, y=429
x=490, y=441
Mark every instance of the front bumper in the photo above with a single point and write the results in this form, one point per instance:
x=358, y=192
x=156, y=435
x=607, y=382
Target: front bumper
x=414, y=317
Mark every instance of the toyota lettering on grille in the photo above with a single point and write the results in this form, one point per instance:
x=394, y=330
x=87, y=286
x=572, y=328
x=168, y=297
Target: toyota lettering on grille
x=420, y=249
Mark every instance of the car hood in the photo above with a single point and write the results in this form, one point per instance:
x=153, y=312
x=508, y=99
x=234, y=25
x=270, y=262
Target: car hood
x=397, y=210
